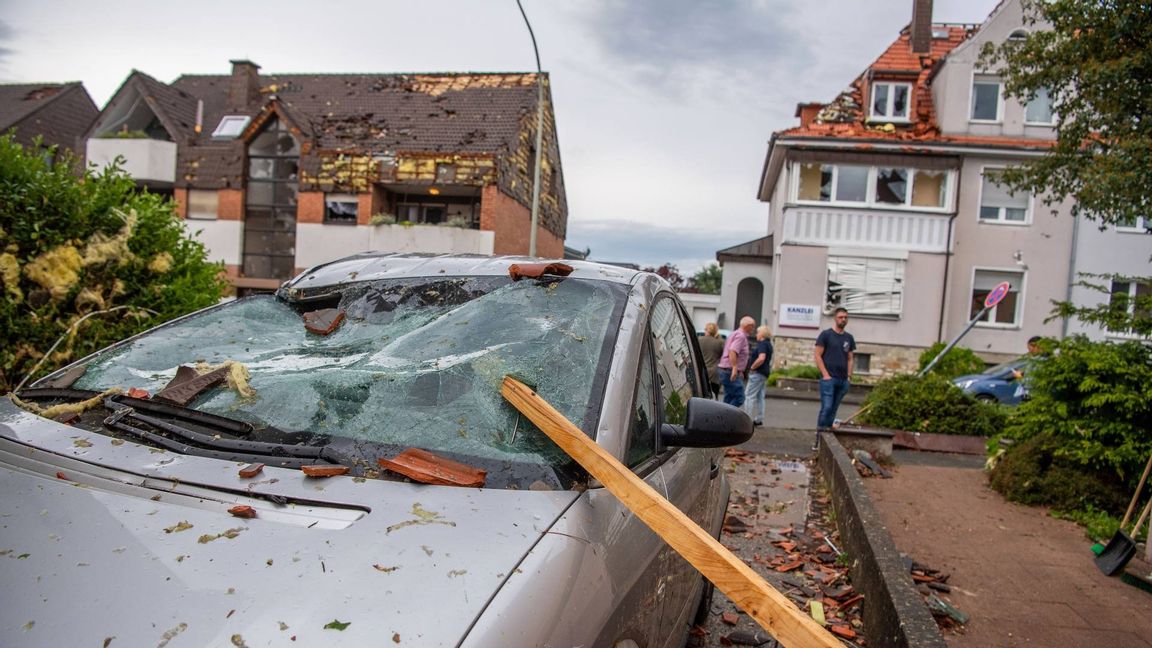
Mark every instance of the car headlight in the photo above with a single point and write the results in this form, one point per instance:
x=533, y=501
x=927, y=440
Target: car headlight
x=965, y=384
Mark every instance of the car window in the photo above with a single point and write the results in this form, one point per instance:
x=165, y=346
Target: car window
x=416, y=363
x=642, y=432
x=675, y=367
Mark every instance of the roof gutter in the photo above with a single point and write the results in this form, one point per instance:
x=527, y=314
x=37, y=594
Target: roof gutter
x=911, y=147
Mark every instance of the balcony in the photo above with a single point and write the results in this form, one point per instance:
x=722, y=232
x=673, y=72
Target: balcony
x=150, y=162
x=866, y=228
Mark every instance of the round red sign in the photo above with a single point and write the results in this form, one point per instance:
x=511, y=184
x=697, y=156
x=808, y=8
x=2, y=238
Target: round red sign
x=997, y=295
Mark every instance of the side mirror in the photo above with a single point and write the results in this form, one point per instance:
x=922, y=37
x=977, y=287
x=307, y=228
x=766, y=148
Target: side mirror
x=708, y=424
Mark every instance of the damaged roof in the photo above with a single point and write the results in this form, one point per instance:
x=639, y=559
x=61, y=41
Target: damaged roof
x=381, y=113
x=56, y=112
x=17, y=101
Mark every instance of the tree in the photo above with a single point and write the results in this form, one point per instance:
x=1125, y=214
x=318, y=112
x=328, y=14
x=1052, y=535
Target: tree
x=707, y=281
x=671, y=274
x=1094, y=60
x=87, y=260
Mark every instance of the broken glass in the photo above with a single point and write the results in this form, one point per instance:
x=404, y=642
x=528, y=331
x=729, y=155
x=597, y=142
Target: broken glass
x=416, y=363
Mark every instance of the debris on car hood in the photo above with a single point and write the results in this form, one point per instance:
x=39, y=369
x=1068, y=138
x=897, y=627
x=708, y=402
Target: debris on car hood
x=424, y=467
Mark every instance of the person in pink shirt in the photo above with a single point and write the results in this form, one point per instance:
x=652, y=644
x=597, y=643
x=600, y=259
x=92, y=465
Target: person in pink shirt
x=734, y=360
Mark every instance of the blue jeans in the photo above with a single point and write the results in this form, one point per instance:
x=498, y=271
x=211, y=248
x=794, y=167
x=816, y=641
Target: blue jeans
x=754, y=396
x=733, y=389
x=832, y=392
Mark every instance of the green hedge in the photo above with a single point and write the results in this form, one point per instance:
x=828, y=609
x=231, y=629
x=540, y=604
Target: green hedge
x=930, y=404
x=95, y=244
x=795, y=371
x=958, y=362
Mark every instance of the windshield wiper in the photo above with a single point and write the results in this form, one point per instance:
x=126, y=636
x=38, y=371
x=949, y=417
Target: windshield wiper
x=191, y=442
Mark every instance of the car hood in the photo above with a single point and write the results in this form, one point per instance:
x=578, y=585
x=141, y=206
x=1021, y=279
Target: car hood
x=113, y=542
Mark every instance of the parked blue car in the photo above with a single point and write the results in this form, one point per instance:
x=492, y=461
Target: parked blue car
x=997, y=383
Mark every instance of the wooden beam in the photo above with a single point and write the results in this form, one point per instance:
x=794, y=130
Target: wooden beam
x=771, y=609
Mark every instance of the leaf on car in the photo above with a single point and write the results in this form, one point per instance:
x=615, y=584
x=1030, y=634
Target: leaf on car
x=82, y=443
x=337, y=624
x=386, y=570
x=283, y=626
x=238, y=641
x=182, y=525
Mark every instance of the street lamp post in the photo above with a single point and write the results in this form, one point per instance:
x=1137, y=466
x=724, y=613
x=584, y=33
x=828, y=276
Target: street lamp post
x=539, y=136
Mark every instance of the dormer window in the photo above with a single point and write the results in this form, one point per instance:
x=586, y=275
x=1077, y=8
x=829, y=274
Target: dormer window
x=890, y=101
x=231, y=126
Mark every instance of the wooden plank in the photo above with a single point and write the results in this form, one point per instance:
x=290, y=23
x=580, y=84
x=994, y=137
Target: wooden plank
x=771, y=609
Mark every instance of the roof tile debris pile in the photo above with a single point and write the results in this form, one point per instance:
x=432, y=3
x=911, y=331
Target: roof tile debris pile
x=797, y=551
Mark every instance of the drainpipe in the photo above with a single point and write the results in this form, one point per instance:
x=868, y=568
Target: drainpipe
x=948, y=254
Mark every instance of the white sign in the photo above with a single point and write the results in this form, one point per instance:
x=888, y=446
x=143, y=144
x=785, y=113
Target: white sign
x=800, y=315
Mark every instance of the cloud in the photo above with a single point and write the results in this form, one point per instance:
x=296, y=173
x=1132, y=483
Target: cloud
x=679, y=46
x=645, y=244
x=6, y=34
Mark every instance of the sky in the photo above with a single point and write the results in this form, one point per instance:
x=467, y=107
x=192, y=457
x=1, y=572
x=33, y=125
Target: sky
x=664, y=108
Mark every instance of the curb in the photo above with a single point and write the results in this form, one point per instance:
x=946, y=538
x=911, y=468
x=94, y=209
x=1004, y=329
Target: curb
x=894, y=612
x=806, y=395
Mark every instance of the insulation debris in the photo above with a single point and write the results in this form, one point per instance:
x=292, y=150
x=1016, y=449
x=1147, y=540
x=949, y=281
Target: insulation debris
x=64, y=408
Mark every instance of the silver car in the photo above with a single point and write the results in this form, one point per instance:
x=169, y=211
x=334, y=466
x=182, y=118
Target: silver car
x=159, y=493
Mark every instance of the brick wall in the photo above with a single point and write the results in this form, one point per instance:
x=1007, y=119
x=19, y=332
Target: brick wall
x=511, y=222
x=231, y=205
x=310, y=207
x=180, y=197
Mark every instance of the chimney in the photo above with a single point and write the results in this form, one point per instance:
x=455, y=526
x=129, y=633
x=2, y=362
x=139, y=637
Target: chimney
x=244, y=87
x=807, y=112
x=921, y=26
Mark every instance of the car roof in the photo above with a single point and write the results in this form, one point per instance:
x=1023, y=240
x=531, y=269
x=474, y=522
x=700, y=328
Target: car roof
x=370, y=266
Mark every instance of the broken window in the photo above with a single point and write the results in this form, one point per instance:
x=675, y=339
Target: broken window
x=203, y=204
x=865, y=285
x=890, y=101
x=929, y=188
x=999, y=204
x=1005, y=313
x=1039, y=109
x=340, y=208
x=985, y=98
x=815, y=182
x=892, y=186
x=415, y=363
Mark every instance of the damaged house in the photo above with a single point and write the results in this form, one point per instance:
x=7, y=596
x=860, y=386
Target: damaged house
x=58, y=113
x=279, y=172
x=881, y=202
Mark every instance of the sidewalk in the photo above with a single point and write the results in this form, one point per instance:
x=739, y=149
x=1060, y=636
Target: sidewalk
x=1025, y=579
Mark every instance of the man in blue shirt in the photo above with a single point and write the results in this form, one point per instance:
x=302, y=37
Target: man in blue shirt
x=834, y=348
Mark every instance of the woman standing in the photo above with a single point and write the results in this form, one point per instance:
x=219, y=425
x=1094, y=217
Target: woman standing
x=759, y=366
x=712, y=347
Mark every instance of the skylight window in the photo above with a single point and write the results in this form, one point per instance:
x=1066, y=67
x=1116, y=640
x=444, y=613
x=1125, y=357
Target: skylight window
x=231, y=126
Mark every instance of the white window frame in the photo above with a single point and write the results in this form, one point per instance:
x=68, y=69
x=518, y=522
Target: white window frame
x=870, y=188
x=985, y=78
x=898, y=267
x=1000, y=219
x=1051, y=112
x=1132, y=285
x=192, y=214
x=1018, y=319
x=1141, y=226
x=872, y=116
x=231, y=126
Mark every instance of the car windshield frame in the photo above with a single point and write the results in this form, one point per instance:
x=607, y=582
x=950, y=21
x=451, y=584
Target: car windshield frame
x=415, y=363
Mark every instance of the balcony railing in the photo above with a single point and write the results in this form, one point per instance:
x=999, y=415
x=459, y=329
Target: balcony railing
x=148, y=161
x=893, y=230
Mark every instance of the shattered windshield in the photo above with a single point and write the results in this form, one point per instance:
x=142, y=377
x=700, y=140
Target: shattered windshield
x=414, y=363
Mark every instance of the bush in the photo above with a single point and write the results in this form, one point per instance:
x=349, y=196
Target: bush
x=809, y=372
x=90, y=245
x=930, y=404
x=1035, y=471
x=958, y=362
x=1095, y=400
